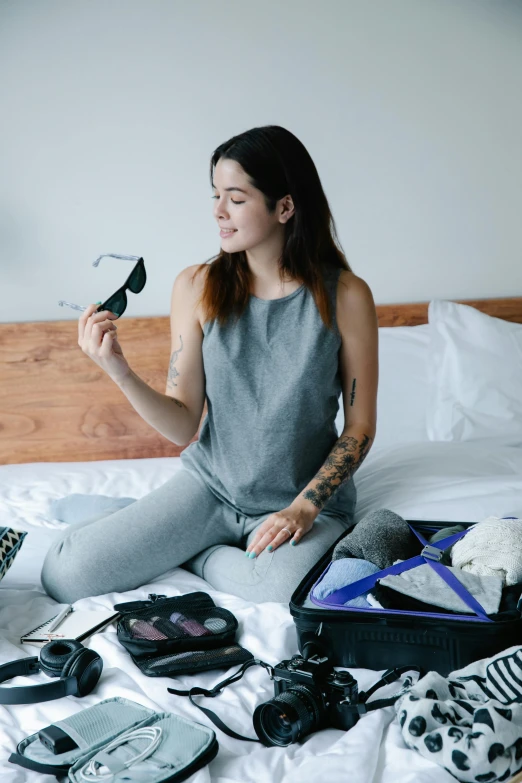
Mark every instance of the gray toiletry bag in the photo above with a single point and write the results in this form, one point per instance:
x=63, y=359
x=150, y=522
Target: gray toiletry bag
x=184, y=746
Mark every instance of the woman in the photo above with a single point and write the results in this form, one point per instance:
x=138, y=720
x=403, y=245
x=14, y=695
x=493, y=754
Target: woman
x=269, y=332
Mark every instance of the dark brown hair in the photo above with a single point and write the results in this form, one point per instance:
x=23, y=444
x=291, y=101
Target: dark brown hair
x=277, y=164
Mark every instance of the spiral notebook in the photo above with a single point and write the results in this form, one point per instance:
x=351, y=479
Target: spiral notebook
x=79, y=624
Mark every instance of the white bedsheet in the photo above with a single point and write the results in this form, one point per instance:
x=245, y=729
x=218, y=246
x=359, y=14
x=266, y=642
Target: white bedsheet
x=446, y=481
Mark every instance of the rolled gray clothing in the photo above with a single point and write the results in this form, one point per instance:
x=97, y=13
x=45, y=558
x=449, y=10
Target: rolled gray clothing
x=424, y=584
x=445, y=532
x=382, y=537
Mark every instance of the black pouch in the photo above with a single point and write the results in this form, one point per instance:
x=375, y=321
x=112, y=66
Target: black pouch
x=193, y=661
x=181, y=635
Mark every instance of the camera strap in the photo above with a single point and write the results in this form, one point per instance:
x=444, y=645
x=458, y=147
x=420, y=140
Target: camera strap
x=391, y=675
x=360, y=706
x=197, y=691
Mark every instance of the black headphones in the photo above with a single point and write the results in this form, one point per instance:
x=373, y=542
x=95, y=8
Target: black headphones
x=78, y=668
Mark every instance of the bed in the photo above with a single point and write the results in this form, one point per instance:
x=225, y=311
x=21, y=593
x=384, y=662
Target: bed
x=448, y=447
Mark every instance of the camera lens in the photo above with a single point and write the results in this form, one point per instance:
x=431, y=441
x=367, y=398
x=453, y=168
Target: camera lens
x=289, y=716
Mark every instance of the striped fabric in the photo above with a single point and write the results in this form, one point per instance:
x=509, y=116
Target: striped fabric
x=10, y=543
x=504, y=678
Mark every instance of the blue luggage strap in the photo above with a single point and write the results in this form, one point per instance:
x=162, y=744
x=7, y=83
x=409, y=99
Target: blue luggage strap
x=431, y=554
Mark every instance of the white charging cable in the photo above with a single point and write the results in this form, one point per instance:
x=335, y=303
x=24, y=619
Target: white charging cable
x=91, y=770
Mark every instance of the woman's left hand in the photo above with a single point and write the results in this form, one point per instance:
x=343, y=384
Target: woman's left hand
x=290, y=524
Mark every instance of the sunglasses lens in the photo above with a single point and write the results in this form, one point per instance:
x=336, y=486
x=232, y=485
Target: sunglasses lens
x=116, y=303
x=137, y=278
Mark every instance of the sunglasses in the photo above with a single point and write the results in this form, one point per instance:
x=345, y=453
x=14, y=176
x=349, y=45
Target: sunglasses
x=117, y=302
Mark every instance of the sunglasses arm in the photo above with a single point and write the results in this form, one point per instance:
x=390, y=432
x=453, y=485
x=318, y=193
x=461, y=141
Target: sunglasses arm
x=62, y=302
x=115, y=255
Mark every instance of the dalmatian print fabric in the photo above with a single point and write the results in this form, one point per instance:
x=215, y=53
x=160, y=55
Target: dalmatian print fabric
x=470, y=722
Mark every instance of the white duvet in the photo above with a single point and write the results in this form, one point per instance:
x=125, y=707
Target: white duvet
x=435, y=481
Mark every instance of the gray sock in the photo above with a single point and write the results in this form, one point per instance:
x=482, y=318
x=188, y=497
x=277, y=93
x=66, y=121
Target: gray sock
x=77, y=507
x=382, y=537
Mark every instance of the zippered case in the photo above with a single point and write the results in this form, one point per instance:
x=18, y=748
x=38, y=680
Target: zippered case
x=186, y=634
x=183, y=746
x=164, y=625
x=387, y=638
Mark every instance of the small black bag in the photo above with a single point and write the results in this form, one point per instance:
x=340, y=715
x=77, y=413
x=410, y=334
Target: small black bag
x=182, y=635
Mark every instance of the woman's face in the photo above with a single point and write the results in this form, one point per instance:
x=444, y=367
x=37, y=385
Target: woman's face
x=244, y=210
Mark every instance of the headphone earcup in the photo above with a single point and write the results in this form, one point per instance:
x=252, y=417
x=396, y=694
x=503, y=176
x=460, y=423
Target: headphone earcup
x=86, y=665
x=55, y=655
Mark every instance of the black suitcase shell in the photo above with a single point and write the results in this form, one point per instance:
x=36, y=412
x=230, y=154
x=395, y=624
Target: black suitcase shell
x=380, y=640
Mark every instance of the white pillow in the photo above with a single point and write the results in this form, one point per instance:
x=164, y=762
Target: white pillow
x=403, y=386
x=475, y=374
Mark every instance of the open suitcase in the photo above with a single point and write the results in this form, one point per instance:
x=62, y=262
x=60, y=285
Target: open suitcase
x=387, y=638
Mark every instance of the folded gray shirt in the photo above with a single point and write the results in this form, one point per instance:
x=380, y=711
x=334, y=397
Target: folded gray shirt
x=424, y=584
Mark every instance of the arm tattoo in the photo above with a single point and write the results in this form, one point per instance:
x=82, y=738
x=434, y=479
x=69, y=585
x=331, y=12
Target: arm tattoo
x=172, y=372
x=352, y=393
x=345, y=458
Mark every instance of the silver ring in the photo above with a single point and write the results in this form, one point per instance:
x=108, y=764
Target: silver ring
x=288, y=531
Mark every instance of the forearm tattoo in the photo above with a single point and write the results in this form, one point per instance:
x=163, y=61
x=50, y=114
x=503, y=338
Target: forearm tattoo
x=352, y=393
x=173, y=373
x=344, y=459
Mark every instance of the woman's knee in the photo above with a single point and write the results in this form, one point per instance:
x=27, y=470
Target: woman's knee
x=262, y=579
x=272, y=576
x=69, y=569
x=56, y=577
x=280, y=572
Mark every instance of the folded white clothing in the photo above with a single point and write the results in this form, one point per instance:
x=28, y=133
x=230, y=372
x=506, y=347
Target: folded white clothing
x=491, y=547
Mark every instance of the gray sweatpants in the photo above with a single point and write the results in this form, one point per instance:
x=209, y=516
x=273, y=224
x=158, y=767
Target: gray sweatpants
x=181, y=523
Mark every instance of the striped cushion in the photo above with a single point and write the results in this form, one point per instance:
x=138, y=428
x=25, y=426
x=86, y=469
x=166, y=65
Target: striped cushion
x=10, y=543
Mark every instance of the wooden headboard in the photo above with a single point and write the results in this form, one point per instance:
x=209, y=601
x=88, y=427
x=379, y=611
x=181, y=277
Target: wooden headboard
x=56, y=405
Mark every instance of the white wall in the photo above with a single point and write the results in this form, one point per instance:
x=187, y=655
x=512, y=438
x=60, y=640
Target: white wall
x=410, y=109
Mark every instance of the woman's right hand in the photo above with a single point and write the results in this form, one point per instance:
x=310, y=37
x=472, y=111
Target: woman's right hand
x=97, y=337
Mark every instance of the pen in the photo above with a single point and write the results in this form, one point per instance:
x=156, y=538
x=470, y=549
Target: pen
x=58, y=619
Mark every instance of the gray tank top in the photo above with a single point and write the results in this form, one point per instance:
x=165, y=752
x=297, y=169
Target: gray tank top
x=272, y=385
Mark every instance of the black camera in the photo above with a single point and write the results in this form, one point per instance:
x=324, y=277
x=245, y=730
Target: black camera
x=309, y=695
